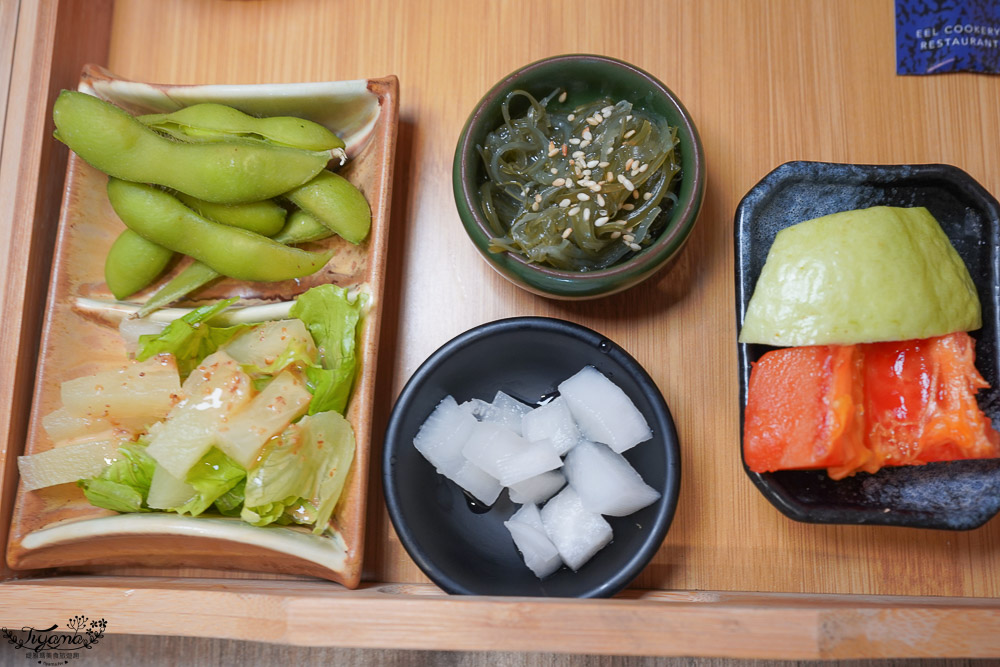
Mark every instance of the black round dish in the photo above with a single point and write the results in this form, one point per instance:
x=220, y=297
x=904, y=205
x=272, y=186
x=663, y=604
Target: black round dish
x=956, y=495
x=466, y=549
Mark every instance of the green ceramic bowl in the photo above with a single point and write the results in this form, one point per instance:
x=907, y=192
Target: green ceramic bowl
x=585, y=78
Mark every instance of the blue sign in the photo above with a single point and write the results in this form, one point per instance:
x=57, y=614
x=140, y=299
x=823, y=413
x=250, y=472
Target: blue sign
x=938, y=36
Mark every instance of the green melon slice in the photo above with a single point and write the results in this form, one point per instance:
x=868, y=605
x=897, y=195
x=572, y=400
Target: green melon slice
x=876, y=274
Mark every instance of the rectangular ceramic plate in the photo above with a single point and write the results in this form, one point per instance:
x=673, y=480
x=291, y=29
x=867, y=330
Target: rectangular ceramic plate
x=56, y=526
x=955, y=495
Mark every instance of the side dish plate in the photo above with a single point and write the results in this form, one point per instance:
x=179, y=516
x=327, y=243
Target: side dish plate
x=56, y=526
x=956, y=495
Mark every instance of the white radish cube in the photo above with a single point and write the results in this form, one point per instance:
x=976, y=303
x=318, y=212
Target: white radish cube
x=553, y=422
x=61, y=425
x=529, y=514
x=62, y=465
x=213, y=393
x=603, y=412
x=606, y=482
x=504, y=410
x=537, y=489
x=264, y=344
x=483, y=486
x=507, y=456
x=538, y=552
x=282, y=401
x=575, y=531
x=443, y=434
x=147, y=388
x=167, y=492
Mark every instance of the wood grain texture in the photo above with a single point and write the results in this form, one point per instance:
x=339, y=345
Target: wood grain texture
x=767, y=81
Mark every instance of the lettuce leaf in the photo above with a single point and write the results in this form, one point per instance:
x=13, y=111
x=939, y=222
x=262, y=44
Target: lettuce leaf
x=124, y=484
x=189, y=338
x=302, y=474
x=212, y=477
x=332, y=319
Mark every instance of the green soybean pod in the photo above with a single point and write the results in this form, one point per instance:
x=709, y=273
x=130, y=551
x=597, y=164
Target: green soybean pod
x=225, y=172
x=263, y=217
x=234, y=252
x=133, y=263
x=300, y=228
x=334, y=201
x=218, y=122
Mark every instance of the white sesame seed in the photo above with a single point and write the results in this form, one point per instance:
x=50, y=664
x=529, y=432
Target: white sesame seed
x=629, y=134
x=628, y=164
x=592, y=121
x=569, y=182
x=538, y=198
x=599, y=118
x=534, y=207
x=592, y=164
x=643, y=167
x=574, y=210
x=600, y=222
x=553, y=152
x=602, y=165
x=562, y=97
x=574, y=141
x=609, y=150
x=571, y=117
x=625, y=182
x=584, y=143
x=586, y=214
x=610, y=176
x=628, y=207
x=615, y=235
x=628, y=238
x=628, y=117
x=583, y=197
x=635, y=246
x=607, y=110
x=587, y=172
x=635, y=194
x=594, y=187
x=567, y=232
x=564, y=203
x=587, y=134
x=600, y=200
x=577, y=154
x=578, y=173
x=559, y=181
x=647, y=196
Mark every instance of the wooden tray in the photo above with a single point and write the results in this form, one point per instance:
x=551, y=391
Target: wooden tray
x=734, y=577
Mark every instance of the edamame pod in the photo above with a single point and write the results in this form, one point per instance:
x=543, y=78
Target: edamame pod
x=262, y=217
x=231, y=251
x=133, y=263
x=218, y=122
x=334, y=201
x=300, y=228
x=226, y=172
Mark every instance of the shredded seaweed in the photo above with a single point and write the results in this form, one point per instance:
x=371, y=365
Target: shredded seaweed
x=579, y=171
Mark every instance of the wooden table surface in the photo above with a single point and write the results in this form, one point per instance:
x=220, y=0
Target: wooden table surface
x=766, y=81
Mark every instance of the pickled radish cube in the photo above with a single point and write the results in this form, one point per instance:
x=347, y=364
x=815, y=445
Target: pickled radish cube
x=62, y=465
x=443, y=434
x=504, y=410
x=507, y=456
x=537, y=489
x=483, y=486
x=528, y=514
x=575, y=531
x=147, y=389
x=603, y=412
x=606, y=482
x=552, y=422
x=538, y=552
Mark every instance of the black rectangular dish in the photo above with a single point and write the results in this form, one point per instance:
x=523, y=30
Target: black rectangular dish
x=957, y=495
